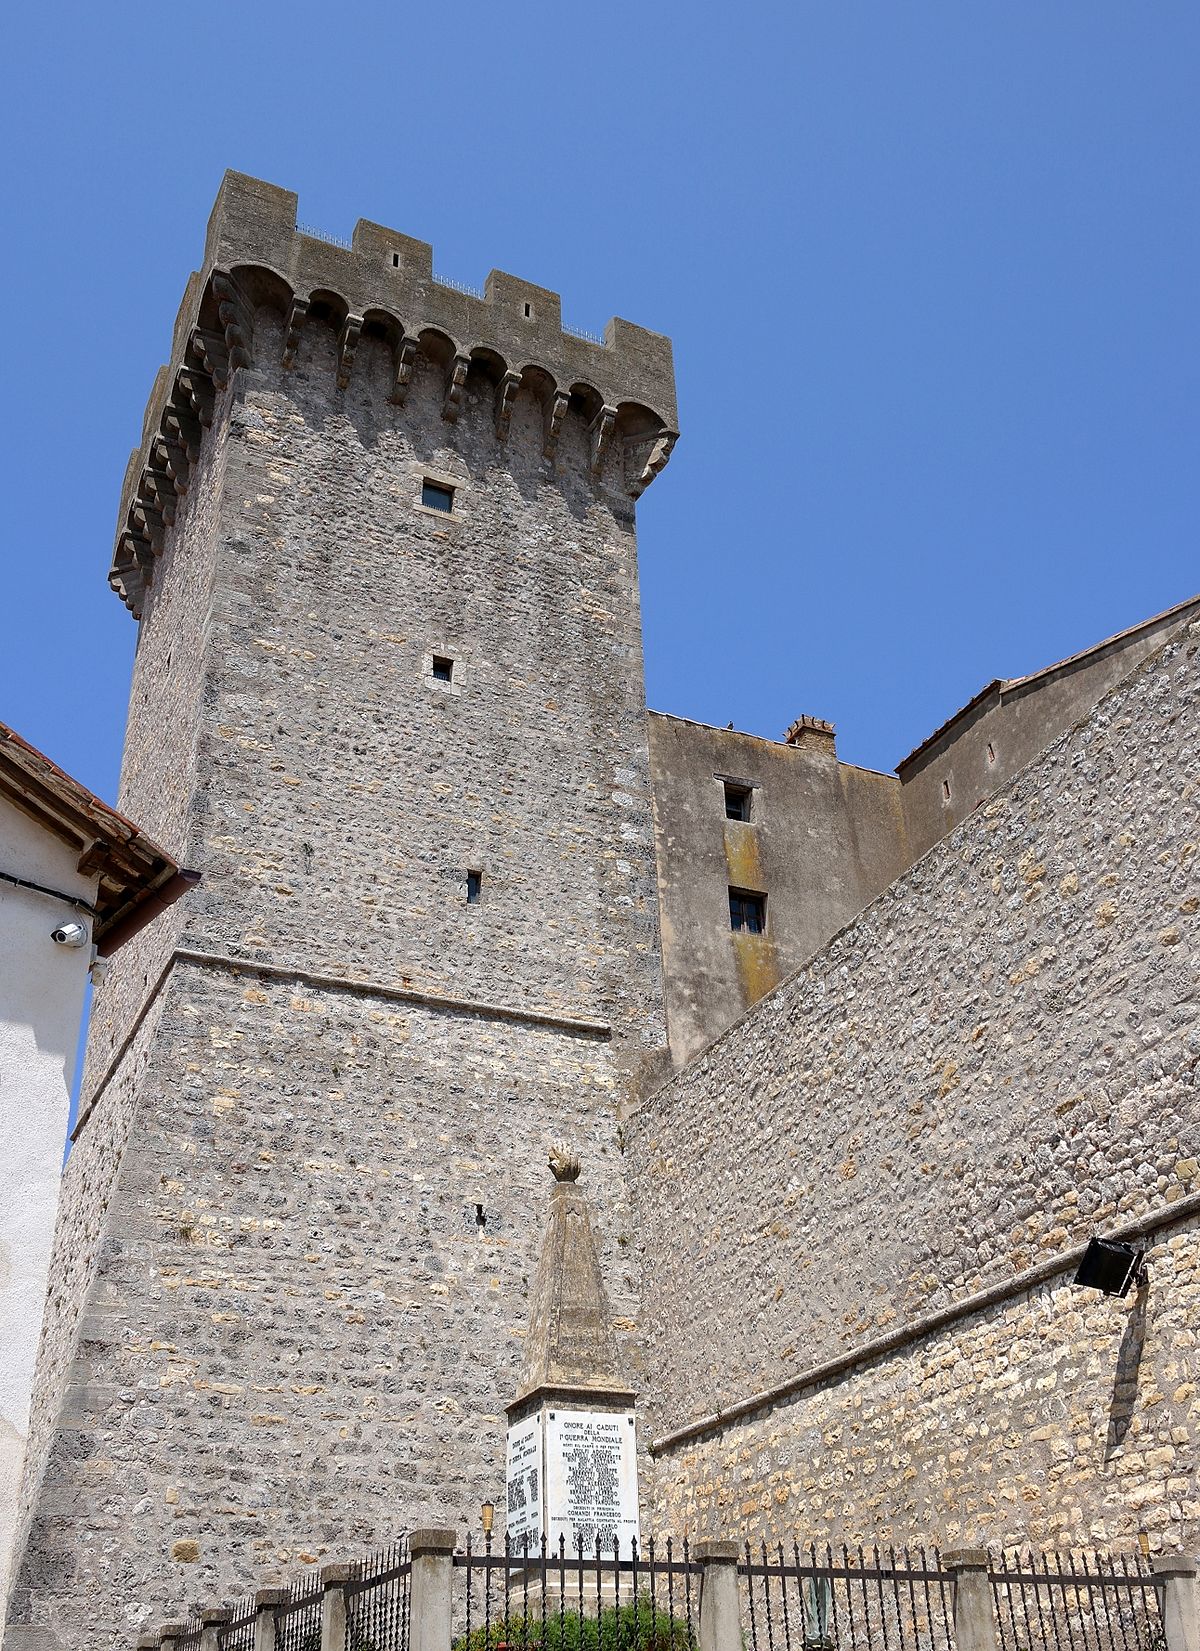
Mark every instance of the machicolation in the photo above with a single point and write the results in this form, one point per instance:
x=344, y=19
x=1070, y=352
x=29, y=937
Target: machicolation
x=381, y=286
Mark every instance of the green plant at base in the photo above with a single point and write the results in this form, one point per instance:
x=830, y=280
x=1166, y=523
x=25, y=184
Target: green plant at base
x=633, y=1627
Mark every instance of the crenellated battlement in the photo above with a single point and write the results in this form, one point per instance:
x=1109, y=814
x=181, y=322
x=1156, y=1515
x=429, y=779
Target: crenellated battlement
x=382, y=287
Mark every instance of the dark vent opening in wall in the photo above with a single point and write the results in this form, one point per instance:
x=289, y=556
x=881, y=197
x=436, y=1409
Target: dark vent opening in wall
x=991, y=752
x=474, y=887
x=946, y=791
x=480, y=1217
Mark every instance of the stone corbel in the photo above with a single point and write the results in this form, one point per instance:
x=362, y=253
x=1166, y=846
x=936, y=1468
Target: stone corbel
x=146, y=519
x=601, y=431
x=347, y=344
x=137, y=551
x=160, y=493
x=406, y=360
x=291, y=335
x=209, y=347
x=180, y=425
x=456, y=383
x=506, y=395
x=172, y=459
x=233, y=316
x=197, y=391
x=645, y=462
x=556, y=411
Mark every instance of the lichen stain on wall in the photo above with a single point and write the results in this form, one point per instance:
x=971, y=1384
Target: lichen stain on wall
x=757, y=957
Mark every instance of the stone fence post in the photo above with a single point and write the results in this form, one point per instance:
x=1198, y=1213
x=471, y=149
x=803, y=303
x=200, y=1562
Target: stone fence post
x=432, y=1554
x=974, y=1614
x=1180, y=1601
x=720, y=1607
x=169, y=1633
x=333, y=1606
x=266, y=1604
x=211, y=1622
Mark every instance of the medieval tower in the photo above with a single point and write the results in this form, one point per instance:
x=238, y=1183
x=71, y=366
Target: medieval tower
x=379, y=543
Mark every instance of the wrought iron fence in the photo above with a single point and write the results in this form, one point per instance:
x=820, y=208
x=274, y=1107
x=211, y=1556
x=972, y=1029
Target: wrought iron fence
x=1103, y=1603
x=827, y=1599
x=521, y=1596
x=238, y=1633
x=378, y=1601
x=298, y=1619
x=189, y=1639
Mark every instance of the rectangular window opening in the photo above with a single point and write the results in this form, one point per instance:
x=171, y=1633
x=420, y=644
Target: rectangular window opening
x=436, y=495
x=747, y=912
x=474, y=887
x=443, y=668
x=946, y=791
x=738, y=799
x=395, y=260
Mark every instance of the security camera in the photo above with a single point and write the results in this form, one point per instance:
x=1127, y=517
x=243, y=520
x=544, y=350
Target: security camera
x=70, y=934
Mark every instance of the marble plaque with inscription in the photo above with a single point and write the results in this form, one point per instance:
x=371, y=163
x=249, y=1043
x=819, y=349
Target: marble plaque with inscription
x=591, y=1479
x=523, y=1474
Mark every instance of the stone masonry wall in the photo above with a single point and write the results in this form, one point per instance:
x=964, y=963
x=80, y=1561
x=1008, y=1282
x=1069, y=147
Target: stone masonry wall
x=300, y=1333
x=1060, y=1418
x=996, y=1058
x=299, y=1219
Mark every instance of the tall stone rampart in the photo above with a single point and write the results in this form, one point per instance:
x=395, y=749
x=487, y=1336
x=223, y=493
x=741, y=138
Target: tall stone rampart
x=860, y=1209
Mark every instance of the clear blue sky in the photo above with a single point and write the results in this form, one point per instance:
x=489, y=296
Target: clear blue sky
x=930, y=270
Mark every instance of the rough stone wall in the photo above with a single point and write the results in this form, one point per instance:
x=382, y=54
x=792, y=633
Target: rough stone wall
x=346, y=794
x=996, y=1058
x=984, y=746
x=160, y=766
x=300, y=1334
x=269, y=1230
x=1058, y=1419
x=823, y=838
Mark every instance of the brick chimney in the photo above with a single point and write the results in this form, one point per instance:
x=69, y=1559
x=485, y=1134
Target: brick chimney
x=813, y=734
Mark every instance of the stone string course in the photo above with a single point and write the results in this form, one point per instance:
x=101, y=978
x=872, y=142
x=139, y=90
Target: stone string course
x=997, y=1058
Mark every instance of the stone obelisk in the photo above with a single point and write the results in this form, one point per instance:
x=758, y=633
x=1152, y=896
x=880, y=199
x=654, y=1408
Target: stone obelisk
x=572, y=1456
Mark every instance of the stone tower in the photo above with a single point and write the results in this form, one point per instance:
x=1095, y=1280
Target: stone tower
x=388, y=699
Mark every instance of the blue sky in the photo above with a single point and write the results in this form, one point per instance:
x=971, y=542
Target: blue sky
x=930, y=270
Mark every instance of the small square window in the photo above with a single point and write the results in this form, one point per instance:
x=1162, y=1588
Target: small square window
x=474, y=887
x=747, y=912
x=443, y=668
x=738, y=799
x=436, y=495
